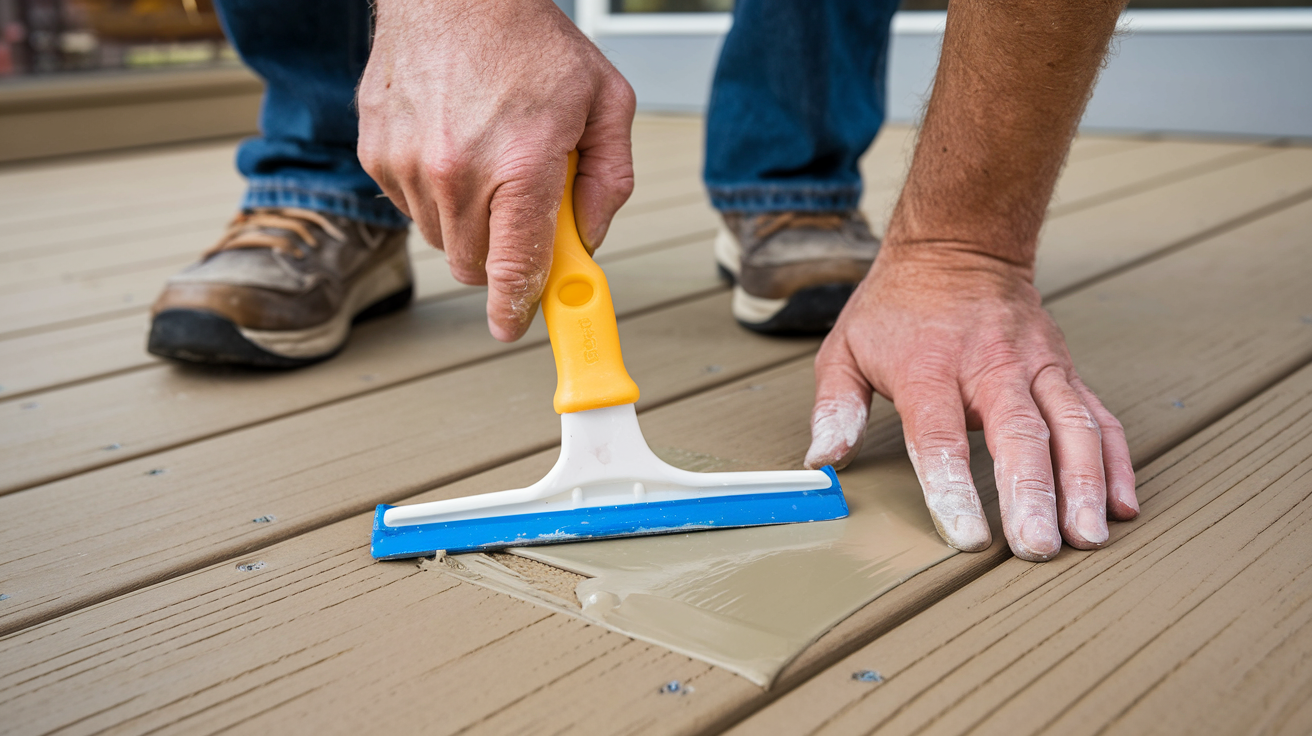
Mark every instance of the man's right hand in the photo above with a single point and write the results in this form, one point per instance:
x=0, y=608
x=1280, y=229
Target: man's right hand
x=468, y=110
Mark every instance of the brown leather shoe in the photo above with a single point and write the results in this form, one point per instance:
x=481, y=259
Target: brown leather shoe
x=793, y=271
x=280, y=290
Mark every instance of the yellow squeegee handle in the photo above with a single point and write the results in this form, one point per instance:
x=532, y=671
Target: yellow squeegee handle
x=580, y=318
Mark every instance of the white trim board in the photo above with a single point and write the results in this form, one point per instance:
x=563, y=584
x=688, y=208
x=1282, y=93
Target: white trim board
x=596, y=20
x=1210, y=72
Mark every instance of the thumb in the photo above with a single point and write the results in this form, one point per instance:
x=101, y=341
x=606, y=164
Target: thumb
x=842, y=405
x=605, y=175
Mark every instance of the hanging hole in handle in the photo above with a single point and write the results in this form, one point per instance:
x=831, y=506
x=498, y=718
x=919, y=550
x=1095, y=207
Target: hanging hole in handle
x=575, y=293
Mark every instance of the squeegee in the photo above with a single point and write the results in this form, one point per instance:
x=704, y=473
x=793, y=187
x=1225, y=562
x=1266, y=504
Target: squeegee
x=607, y=482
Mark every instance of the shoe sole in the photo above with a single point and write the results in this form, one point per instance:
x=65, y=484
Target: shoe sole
x=807, y=313
x=200, y=336
x=196, y=336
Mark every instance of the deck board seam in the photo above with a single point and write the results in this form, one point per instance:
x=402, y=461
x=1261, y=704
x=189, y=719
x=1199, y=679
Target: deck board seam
x=1234, y=223
x=369, y=391
x=9, y=629
x=1159, y=181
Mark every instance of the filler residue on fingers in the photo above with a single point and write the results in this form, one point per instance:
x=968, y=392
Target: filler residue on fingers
x=837, y=426
x=952, y=499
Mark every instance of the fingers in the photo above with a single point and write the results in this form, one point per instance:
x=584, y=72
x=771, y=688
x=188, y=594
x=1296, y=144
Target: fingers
x=1076, y=450
x=842, y=404
x=934, y=423
x=1018, y=439
x=605, y=177
x=1122, y=501
x=521, y=230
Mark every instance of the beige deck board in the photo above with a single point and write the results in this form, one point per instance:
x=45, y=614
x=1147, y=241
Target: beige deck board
x=67, y=434
x=1143, y=340
x=33, y=360
x=53, y=300
x=1195, y=620
x=287, y=643
x=142, y=412
x=1193, y=262
x=386, y=445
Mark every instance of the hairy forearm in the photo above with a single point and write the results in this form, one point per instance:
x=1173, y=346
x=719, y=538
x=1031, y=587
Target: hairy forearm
x=1012, y=83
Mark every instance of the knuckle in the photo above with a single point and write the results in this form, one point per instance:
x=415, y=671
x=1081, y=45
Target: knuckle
x=371, y=158
x=1033, y=486
x=941, y=441
x=1081, y=479
x=1075, y=416
x=446, y=167
x=466, y=276
x=620, y=186
x=623, y=94
x=1023, y=426
x=516, y=277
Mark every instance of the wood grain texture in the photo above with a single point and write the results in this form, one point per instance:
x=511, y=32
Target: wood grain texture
x=286, y=643
x=67, y=435
x=58, y=433
x=1196, y=619
x=98, y=344
x=53, y=301
x=314, y=467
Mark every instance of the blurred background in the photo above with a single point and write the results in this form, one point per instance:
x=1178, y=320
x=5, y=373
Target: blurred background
x=47, y=37
x=84, y=75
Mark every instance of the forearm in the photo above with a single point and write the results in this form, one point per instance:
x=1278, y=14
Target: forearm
x=1012, y=83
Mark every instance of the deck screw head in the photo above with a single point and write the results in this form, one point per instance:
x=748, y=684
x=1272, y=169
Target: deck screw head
x=249, y=566
x=867, y=676
x=267, y=518
x=155, y=471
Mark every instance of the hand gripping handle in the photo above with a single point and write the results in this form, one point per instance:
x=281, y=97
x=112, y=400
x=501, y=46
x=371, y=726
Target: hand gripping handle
x=580, y=318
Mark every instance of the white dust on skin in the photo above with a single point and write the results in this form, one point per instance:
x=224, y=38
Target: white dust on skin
x=1085, y=509
x=951, y=497
x=1029, y=511
x=524, y=297
x=837, y=428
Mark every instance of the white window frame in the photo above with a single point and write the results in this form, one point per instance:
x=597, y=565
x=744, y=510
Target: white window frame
x=595, y=19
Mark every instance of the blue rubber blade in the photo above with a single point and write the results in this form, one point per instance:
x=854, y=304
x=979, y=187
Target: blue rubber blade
x=603, y=522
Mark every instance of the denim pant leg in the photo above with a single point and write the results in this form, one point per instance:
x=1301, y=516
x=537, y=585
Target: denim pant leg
x=311, y=54
x=798, y=96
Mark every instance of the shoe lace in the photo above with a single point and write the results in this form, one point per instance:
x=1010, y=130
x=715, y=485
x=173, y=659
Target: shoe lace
x=261, y=229
x=771, y=224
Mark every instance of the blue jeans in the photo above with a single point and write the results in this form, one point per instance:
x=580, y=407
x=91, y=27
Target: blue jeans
x=311, y=54
x=798, y=97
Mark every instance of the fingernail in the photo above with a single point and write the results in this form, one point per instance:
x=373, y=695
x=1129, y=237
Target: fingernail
x=1091, y=525
x=968, y=533
x=1131, y=500
x=1039, y=539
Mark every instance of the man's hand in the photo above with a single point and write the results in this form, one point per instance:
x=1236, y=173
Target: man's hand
x=959, y=341
x=948, y=323
x=468, y=110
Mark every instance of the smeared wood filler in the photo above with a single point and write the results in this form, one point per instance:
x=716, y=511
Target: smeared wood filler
x=747, y=600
